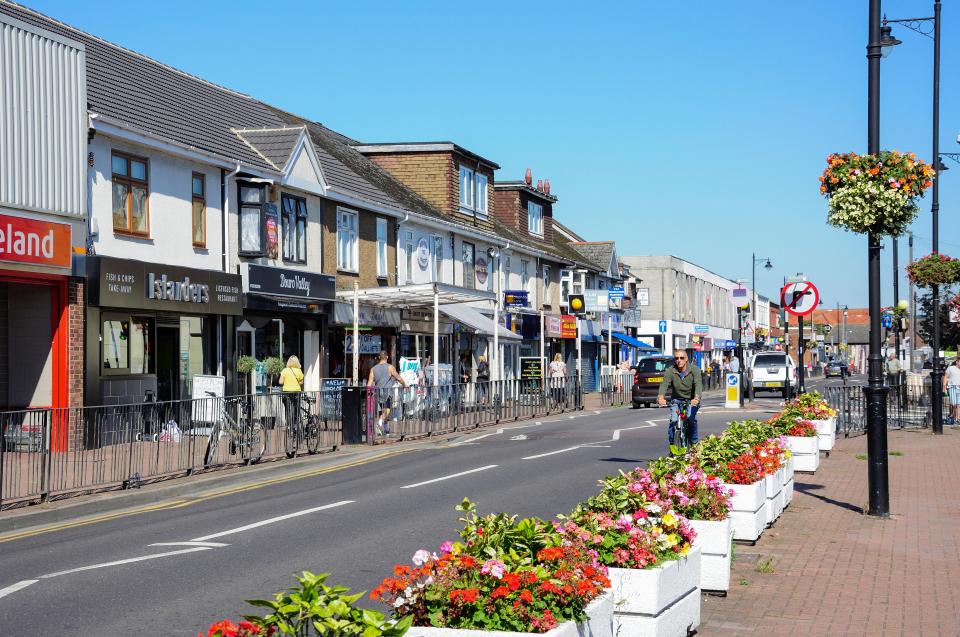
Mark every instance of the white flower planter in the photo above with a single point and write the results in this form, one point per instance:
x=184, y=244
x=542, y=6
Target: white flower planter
x=713, y=539
x=600, y=623
x=773, y=485
x=657, y=602
x=806, y=452
x=748, y=510
x=826, y=432
x=787, y=493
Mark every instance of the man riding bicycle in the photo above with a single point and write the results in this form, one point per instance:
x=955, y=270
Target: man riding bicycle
x=685, y=384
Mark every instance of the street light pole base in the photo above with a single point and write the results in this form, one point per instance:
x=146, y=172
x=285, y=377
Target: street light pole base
x=877, y=470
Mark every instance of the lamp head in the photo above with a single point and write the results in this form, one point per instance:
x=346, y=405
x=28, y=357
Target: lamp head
x=902, y=304
x=887, y=41
x=768, y=265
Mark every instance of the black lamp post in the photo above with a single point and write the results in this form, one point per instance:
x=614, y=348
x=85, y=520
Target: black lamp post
x=753, y=281
x=922, y=26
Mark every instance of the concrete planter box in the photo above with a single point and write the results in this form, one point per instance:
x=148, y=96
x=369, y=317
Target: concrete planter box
x=657, y=602
x=600, y=623
x=748, y=510
x=787, y=493
x=713, y=540
x=773, y=485
x=806, y=452
x=826, y=432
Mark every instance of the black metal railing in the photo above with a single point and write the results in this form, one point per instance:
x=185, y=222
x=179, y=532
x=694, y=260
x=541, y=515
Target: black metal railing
x=909, y=403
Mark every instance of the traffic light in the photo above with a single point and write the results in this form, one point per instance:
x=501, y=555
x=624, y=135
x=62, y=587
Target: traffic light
x=577, y=304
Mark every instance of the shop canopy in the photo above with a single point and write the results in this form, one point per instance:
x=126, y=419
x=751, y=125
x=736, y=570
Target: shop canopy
x=474, y=319
x=632, y=342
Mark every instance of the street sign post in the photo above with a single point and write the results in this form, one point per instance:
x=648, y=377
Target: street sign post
x=733, y=391
x=662, y=327
x=800, y=298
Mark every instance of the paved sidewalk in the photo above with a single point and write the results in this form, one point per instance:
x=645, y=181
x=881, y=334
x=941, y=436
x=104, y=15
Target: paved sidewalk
x=836, y=571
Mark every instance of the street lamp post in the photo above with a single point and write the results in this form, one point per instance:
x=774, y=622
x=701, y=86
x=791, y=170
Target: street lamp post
x=920, y=26
x=753, y=282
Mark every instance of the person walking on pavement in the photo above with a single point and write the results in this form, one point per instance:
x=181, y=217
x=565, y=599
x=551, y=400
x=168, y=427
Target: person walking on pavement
x=685, y=384
x=291, y=380
x=558, y=374
x=483, y=378
x=893, y=370
x=734, y=365
x=951, y=386
x=383, y=377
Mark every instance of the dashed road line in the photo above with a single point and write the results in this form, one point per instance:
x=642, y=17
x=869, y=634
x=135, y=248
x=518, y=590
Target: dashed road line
x=279, y=518
x=453, y=475
x=13, y=588
x=131, y=560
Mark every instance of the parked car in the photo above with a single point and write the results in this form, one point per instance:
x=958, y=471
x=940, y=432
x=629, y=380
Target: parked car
x=836, y=367
x=647, y=377
x=771, y=371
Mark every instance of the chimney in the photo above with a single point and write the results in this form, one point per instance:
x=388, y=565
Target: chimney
x=546, y=186
x=528, y=177
x=539, y=185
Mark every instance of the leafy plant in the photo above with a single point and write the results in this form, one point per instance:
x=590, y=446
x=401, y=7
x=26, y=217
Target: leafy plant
x=274, y=365
x=934, y=269
x=246, y=364
x=861, y=456
x=764, y=565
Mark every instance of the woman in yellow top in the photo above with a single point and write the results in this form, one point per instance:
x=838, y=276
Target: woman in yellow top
x=291, y=377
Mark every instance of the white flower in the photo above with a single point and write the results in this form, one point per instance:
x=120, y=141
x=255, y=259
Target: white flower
x=421, y=557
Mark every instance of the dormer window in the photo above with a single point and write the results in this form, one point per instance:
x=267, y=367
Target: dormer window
x=535, y=218
x=473, y=192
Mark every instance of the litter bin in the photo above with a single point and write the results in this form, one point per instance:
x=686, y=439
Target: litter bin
x=351, y=400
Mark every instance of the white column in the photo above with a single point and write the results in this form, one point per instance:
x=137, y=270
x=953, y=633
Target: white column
x=356, y=332
x=579, y=371
x=495, y=355
x=436, y=335
x=609, y=339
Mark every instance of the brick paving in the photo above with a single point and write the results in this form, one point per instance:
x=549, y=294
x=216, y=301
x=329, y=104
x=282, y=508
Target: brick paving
x=836, y=571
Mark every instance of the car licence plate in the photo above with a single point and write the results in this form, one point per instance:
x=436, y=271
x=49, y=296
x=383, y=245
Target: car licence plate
x=772, y=384
x=655, y=380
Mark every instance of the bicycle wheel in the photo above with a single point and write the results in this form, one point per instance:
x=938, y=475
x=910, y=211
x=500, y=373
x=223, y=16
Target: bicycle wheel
x=291, y=439
x=255, y=444
x=313, y=433
x=212, y=444
x=677, y=439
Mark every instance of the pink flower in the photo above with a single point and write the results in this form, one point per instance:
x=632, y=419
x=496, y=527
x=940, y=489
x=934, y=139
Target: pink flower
x=494, y=568
x=446, y=547
x=421, y=557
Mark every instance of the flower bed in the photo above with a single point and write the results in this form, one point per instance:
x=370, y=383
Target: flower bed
x=810, y=406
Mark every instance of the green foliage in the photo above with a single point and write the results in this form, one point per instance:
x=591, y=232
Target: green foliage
x=764, y=565
x=500, y=534
x=315, y=608
x=274, y=365
x=861, y=456
x=246, y=364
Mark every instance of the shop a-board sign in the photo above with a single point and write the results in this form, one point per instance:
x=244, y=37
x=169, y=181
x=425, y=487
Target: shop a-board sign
x=330, y=397
x=206, y=408
x=125, y=283
x=531, y=368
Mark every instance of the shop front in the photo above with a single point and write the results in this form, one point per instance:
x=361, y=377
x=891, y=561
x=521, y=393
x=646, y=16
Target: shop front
x=285, y=313
x=376, y=332
x=561, y=334
x=152, y=328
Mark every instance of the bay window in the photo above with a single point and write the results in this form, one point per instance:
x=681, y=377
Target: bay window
x=294, y=228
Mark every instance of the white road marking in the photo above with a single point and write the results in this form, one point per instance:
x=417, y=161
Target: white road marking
x=13, y=588
x=131, y=560
x=653, y=423
x=279, y=518
x=519, y=437
x=454, y=475
x=551, y=453
x=212, y=545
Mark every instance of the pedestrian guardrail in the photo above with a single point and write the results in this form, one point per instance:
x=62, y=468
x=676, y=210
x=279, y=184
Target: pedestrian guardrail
x=52, y=453
x=909, y=403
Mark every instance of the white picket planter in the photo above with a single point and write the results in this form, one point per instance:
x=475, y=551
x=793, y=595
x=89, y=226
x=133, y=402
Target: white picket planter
x=826, y=432
x=657, y=602
x=773, y=485
x=806, y=452
x=713, y=539
x=600, y=623
x=748, y=510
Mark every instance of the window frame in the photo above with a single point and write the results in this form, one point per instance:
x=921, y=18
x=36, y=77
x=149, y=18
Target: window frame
x=151, y=365
x=476, y=202
x=354, y=244
x=129, y=181
x=382, y=247
x=538, y=231
x=467, y=177
x=202, y=200
x=297, y=215
x=480, y=194
x=262, y=226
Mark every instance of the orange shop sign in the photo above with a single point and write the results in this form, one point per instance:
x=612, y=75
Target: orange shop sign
x=568, y=326
x=32, y=241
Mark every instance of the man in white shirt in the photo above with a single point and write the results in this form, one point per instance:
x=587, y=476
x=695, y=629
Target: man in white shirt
x=951, y=386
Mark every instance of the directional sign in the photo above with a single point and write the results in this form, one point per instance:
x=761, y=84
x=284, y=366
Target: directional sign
x=886, y=321
x=739, y=296
x=799, y=299
x=827, y=328
x=662, y=326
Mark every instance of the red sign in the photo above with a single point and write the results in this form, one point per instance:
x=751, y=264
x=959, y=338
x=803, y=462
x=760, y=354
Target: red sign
x=800, y=299
x=31, y=241
x=568, y=326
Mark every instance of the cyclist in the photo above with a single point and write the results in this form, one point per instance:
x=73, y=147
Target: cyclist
x=685, y=383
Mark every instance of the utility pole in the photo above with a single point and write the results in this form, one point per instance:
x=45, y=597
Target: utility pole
x=913, y=308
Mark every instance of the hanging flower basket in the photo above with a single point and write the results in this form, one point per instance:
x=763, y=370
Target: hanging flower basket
x=934, y=269
x=874, y=193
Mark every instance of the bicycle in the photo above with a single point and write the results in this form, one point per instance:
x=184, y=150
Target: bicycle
x=679, y=420
x=246, y=436
x=306, y=427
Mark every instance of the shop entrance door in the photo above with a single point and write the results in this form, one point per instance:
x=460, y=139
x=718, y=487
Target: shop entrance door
x=168, y=362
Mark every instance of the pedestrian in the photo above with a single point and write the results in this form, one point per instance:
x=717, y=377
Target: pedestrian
x=734, y=365
x=558, y=375
x=291, y=380
x=383, y=378
x=483, y=378
x=893, y=368
x=951, y=386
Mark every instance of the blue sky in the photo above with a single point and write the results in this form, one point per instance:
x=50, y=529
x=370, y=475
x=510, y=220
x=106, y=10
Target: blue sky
x=697, y=130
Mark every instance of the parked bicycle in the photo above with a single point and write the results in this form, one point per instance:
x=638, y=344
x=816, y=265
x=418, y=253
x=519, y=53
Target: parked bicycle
x=244, y=435
x=305, y=428
x=679, y=423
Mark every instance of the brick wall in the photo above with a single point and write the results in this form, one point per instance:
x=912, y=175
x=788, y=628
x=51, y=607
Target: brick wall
x=511, y=209
x=433, y=176
x=75, y=359
x=367, y=276
x=506, y=207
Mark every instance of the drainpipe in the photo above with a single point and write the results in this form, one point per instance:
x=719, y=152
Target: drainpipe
x=224, y=213
x=396, y=260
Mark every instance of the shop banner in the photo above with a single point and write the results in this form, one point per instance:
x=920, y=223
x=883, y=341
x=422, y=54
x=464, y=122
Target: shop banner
x=369, y=344
x=515, y=298
x=368, y=316
x=37, y=242
x=273, y=223
x=568, y=326
x=299, y=284
x=596, y=301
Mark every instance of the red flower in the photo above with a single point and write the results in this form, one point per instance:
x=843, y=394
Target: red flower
x=512, y=580
x=466, y=595
x=526, y=596
x=499, y=591
x=550, y=554
x=223, y=628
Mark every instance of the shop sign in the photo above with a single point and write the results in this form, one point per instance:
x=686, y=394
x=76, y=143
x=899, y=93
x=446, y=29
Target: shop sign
x=481, y=268
x=423, y=253
x=643, y=296
x=273, y=222
x=701, y=329
x=516, y=298
x=299, y=284
x=368, y=315
x=531, y=368
x=568, y=326
x=551, y=326
x=124, y=283
x=631, y=318
x=595, y=301
x=37, y=242
x=695, y=342
x=369, y=343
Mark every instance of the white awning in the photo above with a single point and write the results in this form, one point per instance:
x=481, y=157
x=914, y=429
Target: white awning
x=415, y=296
x=475, y=320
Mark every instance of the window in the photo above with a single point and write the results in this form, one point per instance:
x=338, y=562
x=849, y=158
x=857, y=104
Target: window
x=524, y=275
x=381, y=247
x=437, y=257
x=467, y=257
x=347, y=240
x=130, y=190
x=535, y=218
x=251, y=220
x=127, y=345
x=199, y=196
x=473, y=192
x=294, y=228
